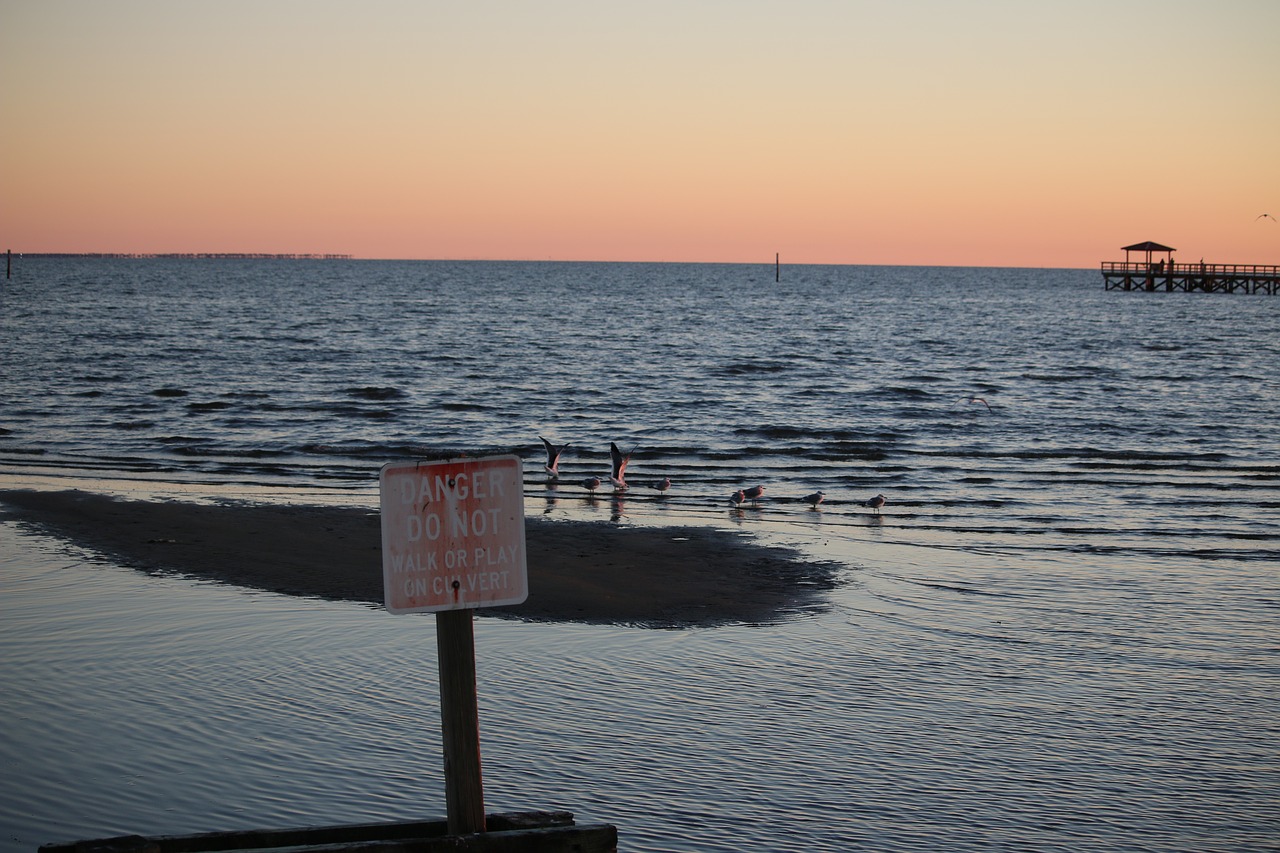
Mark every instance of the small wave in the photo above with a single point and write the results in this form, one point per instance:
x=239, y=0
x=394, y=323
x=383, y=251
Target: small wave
x=783, y=432
x=778, y=432
x=169, y=392
x=464, y=407
x=389, y=451
x=374, y=392
x=947, y=587
x=1261, y=555
x=746, y=368
x=214, y=406
x=194, y=450
x=1077, y=375
x=130, y=426
x=1089, y=454
x=229, y=456
x=897, y=391
x=866, y=451
x=1183, y=465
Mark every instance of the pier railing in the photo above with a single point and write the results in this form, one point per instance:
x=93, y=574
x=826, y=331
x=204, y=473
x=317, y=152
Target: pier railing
x=1177, y=277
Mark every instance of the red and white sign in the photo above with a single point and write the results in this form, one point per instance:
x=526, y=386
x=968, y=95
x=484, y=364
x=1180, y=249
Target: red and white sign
x=453, y=534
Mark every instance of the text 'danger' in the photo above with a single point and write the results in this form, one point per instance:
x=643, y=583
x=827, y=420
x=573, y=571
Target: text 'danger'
x=453, y=534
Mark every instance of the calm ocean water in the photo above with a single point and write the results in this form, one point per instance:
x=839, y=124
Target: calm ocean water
x=1060, y=634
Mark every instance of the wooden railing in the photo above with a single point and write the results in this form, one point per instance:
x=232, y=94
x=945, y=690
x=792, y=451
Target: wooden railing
x=1168, y=277
x=1214, y=270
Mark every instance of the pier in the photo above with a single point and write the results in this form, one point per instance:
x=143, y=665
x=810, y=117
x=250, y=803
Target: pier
x=1167, y=276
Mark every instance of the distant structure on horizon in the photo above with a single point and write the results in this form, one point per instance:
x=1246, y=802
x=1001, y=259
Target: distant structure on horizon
x=216, y=255
x=1166, y=276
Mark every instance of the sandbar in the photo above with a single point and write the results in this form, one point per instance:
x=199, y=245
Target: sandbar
x=579, y=571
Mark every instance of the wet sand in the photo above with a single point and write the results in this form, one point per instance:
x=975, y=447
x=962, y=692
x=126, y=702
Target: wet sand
x=579, y=571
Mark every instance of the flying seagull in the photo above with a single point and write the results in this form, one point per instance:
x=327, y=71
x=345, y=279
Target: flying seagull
x=875, y=503
x=973, y=399
x=618, y=474
x=553, y=458
x=1264, y=215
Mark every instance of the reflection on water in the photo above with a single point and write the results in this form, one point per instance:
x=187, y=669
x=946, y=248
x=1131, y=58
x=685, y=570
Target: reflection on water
x=948, y=699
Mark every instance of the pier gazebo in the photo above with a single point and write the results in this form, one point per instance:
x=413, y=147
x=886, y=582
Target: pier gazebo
x=1163, y=275
x=1150, y=248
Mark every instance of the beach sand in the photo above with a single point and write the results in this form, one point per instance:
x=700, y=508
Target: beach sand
x=579, y=571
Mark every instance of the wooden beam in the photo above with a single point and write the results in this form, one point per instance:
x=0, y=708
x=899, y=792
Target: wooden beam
x=550, y=831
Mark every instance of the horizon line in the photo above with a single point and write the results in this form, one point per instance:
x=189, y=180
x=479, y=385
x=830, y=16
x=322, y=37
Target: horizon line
x=349, y=257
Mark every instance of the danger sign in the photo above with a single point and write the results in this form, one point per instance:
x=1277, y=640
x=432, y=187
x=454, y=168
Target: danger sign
x=453, y=534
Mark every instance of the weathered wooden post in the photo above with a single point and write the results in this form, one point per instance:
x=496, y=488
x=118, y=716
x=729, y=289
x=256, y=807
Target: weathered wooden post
x=452, y=541
x=460, y=722
x=777, y=266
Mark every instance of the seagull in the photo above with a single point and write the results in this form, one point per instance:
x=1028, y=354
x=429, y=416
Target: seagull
x=663, y=484
x=591, y=484
x=973, y=399
x=737, y=498
x=815, y=499
x=1264, y=215
x=875, y=503
x=617, y=475
x=553, y=458
x=754, y=493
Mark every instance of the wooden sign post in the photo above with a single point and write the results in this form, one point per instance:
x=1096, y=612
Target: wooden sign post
x=452, y=541
x=460, y=721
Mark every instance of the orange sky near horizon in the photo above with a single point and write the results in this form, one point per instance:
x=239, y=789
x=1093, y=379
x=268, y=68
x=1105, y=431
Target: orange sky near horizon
x=987, y=133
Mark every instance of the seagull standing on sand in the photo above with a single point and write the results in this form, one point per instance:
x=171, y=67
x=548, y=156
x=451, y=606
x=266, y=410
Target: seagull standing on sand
x=553, y=458
x=754, y=493
x=875, y=503
x=737, y=497
x=591, y=484
x=663, y=484
x=617, y=475
x=815, y=498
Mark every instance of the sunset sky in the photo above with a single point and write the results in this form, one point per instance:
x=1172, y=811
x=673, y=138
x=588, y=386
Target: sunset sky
x=987, y=133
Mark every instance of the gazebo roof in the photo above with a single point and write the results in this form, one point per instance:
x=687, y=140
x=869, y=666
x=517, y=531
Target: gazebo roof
x=1148, y=246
